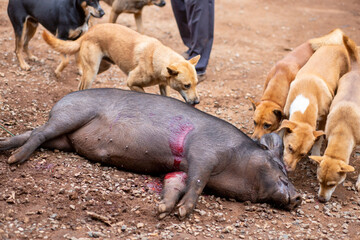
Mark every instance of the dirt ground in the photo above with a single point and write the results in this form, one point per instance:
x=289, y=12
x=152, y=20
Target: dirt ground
x=50, y=196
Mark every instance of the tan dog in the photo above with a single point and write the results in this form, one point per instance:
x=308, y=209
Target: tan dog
x=131, y=6
x=145, y=60
x=342, y=131
x=269, y=111
x=309, y=100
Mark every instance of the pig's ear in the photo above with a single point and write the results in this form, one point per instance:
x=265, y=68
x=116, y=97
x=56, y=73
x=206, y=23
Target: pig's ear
x=254, y=104
x=273, y=143
x=346, y=168
x=316, y=159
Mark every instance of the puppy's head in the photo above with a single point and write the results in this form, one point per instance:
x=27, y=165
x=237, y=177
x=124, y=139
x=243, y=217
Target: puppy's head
x=267, y=118
x=330, y=173
x=183, y=78
x=92, y=7
x=159, y=3
x=298, y=140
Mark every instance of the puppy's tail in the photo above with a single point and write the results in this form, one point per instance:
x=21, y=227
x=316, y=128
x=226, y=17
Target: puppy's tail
x=353, y=52
x=335, y=37
x=62, y=46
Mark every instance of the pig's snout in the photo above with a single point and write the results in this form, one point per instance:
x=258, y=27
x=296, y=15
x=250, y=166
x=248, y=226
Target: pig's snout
x=294, y=198
x=295, y=201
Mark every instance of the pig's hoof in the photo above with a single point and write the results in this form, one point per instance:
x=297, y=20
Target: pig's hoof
x=12, y=160
x=162, y=208
x=162, y=215
x=182, y=212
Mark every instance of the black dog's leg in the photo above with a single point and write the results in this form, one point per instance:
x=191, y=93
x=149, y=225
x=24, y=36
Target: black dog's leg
x=30, y=31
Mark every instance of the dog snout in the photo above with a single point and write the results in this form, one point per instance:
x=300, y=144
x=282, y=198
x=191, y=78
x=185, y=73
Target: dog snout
x=101, y=12
x=160, y=4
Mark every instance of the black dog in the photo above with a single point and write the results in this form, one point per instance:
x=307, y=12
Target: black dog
x=67, y=19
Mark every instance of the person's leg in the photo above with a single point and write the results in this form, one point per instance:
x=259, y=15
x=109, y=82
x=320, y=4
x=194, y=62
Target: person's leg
x=178, y=7
x=200, y=14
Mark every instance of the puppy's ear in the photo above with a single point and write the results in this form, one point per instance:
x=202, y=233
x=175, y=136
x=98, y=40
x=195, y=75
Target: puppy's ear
x=317, y=159
x=194, y=60
x=253, y=103
x=346, y=168
x=172, y=70
x=279, y=114
x=318, y=134
x=286, y=124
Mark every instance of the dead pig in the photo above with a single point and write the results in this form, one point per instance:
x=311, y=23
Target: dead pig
x=152, y=134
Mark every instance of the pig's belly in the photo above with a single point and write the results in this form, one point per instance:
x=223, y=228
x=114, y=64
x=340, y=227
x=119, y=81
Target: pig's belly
x=140, y=149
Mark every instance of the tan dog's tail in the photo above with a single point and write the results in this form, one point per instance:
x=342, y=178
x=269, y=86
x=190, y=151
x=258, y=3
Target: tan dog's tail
x=353, y=52
x=335, y=37
x=62, y=46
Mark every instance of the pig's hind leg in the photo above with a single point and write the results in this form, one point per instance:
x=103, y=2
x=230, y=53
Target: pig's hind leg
x=14, y=142
x=174, y=188
x=59, y=124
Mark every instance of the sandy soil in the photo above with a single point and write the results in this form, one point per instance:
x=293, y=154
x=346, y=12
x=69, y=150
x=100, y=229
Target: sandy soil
x=49, y=196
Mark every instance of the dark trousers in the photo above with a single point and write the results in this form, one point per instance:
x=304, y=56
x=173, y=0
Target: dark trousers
x=195, y=20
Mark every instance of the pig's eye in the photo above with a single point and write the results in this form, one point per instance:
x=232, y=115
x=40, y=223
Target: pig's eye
x=291, y=150
x=255, y=123
x=187, y=86
x=267, y=126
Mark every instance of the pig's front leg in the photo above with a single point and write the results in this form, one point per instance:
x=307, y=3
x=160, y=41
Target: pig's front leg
x=174, y=188
x=198, y=177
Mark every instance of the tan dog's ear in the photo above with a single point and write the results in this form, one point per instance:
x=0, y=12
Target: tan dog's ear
x=172, y=70
x=279, y=114
x=254, y=104
x=317, y=159
x=318, y=134
x=194, y=60
x=286, y=124
x=346, y=168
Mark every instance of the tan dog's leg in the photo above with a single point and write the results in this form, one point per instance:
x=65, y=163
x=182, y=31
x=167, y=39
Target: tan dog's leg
x=62, y=65
x=90, y=58
x=358, y=183
x=164, y=90
x=78, y=64
x=113, y=16
x=138, y=21
x=30, y=31
x=19, y=46
x=136, y=80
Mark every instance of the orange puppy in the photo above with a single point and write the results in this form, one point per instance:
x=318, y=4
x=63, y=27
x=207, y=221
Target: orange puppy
x=342, y=131
x=309, y=100
x=269, y=111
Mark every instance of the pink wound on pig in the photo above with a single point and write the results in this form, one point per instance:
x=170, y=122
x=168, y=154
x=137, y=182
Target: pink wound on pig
x=179, y=129
x=181, y=175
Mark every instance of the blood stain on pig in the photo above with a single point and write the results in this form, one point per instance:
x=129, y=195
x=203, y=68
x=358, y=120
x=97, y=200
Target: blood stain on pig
x=179, y=128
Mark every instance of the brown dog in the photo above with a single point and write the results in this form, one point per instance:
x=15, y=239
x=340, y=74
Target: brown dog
x=145, y=60
x=269, y=111
x=342, y=131
x=309, y=100
x=131, y=6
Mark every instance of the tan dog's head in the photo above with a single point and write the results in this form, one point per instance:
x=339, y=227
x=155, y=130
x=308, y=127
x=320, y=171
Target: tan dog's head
x=183, y=78
x=267, y=117
x=298, y=140
x=330, y=173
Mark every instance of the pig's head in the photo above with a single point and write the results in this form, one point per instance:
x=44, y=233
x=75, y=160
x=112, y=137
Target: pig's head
x=270, y=177
x=182, y=77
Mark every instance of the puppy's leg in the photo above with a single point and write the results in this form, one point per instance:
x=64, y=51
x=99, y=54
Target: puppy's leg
x=64, y=62
x=30, y=31
x=78, y=64
x=164, y=89
x=136, y=80
x=138, y=21
x=19, y=46
x=113, y=16
x=90, y=57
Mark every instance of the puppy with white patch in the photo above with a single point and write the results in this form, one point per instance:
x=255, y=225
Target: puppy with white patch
x=309, y=100
x=342, y=131
x=269, y=112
